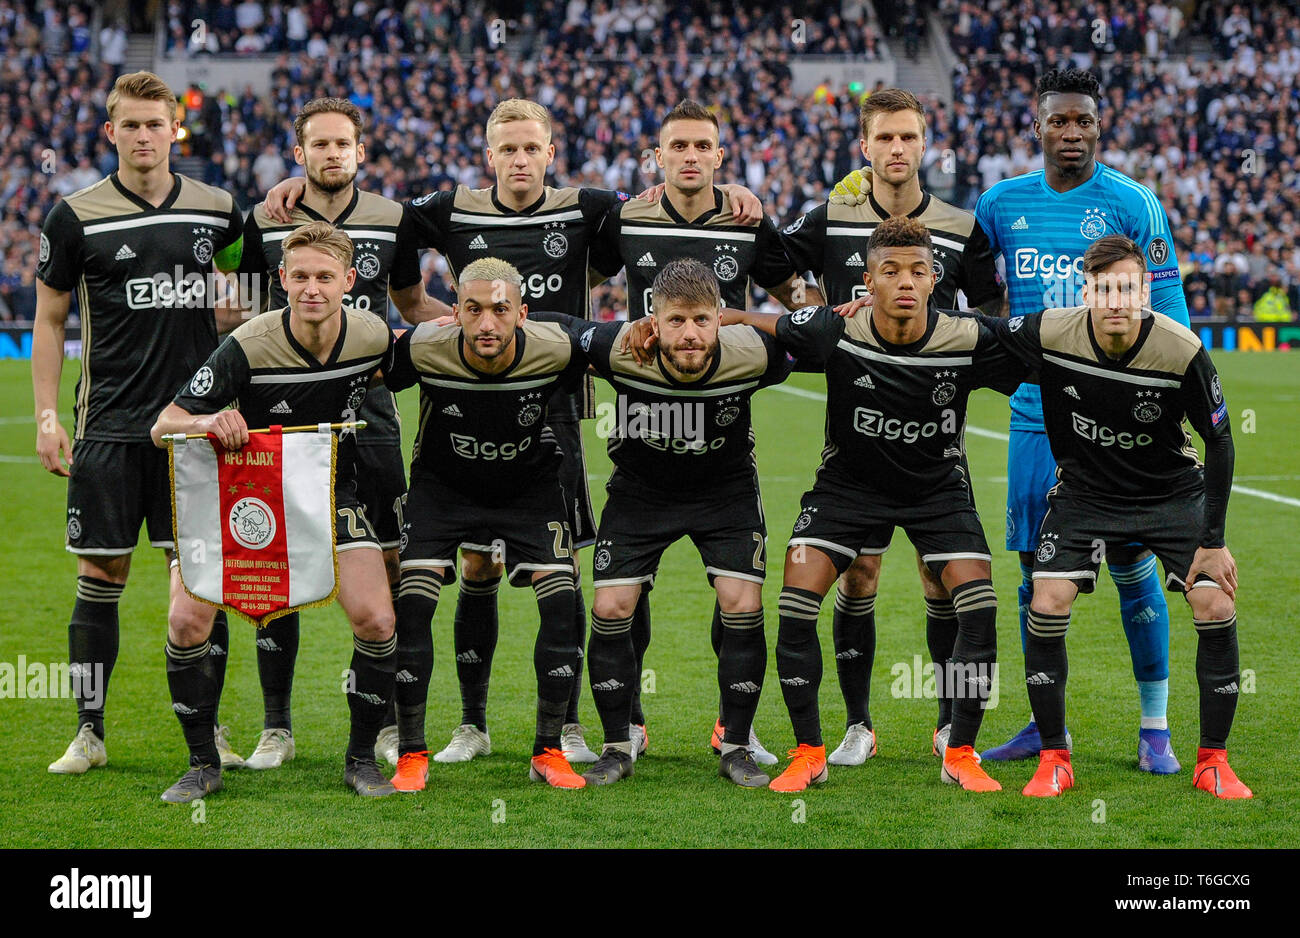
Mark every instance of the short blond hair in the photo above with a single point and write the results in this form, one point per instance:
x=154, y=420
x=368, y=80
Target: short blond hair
x=322, y=236
x=518, y=109
x=494, y=269
x=143, y=85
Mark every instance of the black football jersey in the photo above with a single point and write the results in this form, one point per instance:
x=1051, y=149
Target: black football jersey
x=271, y=379
x=831, y=241
x=384, y=255
x=683, y=436
x=643, y=236
x=1117, y=425
x=479, y=432
x=896, y=414
x=143, y=278
x=549, y=242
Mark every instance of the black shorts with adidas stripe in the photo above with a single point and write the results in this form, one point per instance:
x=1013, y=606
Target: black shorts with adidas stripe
x=1078, y=530
x=573, y=477
x=381, y=483
x=113, y=488
x=527, y=531
x=845, y=522
x=639, y=523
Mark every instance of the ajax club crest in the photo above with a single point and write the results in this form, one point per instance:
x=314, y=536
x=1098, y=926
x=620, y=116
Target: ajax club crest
x=945, y=390
x=555, y=244
x=203, y=248
x=1093, y=225
x=252, y=523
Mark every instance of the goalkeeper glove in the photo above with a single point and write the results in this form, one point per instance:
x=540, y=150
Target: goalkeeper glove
x=853, y=188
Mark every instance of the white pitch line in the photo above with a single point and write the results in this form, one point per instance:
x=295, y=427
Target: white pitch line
x=996, y=435
x=5, y=457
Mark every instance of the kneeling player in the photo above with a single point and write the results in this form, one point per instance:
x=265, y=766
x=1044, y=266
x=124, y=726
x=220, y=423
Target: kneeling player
x=1117, y=380
x=897, y=384
x=485, y=474
x=315, y=356
x=683, y=453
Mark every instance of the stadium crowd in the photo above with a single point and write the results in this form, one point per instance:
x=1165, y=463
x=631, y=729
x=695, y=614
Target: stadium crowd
x=1213, y=139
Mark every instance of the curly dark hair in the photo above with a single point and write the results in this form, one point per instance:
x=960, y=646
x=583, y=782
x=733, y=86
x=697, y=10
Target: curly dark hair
x=1069, y=81
x=899, y=231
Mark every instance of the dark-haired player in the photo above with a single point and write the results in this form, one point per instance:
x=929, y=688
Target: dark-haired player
x=897, y=383
x=682, y=445
x=1117, y=382
x=318, y=357
x=329, y=147
x=140, y=248
x=1042, y=223
x=694, y=219
x=831, y=241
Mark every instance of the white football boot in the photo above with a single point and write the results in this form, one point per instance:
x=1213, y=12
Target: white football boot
x=229, y=758
x=85, y=752
x=467, y=741
x=574, y=744
x=274, y=749
x=859, y=745
x=386, y=745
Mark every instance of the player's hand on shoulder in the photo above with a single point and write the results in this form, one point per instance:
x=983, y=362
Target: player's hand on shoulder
x=850, y=309
x=853, y=188
x=1216, y=563
x=746, y=207
x=227, y=426
x=641, y=340
x=284, y=195
x=653, y=194
x=53, y=445
x=445, y=321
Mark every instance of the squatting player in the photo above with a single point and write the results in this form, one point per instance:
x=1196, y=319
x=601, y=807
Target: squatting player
x=683, y=454
x=897, y=384
x=486, y=473
x=699, y=220
x=319, y=357
x=546, y=234
x=830, y=241
x=1117, y=381
x=139, y=247
x=1042, y=223
x=329, y=147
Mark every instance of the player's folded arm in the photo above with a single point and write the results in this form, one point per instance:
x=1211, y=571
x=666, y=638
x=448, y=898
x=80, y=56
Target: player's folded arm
x=1207, y=411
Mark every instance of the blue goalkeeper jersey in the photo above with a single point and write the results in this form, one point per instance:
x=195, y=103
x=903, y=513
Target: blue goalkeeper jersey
x=1042, y=234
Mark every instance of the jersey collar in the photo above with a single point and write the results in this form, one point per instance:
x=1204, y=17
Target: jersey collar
x=505, y=210
x=1148, y=321
x=338, y=219
x=914, y=213
x=677, y=217
x=145, y=204
x=931, y=320
x=307, y=356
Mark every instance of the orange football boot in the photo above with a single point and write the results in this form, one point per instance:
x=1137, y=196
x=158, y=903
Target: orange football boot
x=1054, y=774
x=962, y=767
x=412, y=771
x=552, y=768
x=808, y=768
x=1213, y=774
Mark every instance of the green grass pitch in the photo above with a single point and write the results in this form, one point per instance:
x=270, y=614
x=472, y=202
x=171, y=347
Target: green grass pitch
x=676, y=798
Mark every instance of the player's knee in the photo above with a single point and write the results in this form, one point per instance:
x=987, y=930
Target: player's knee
x=476, y=566
x=862, y=577
x=375, y=624
x=1051, y=602
x=188, y=626
x=613, y=607
x=1210, y=604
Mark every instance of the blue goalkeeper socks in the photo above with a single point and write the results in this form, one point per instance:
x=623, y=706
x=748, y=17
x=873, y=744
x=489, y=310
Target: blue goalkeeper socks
x=1146, y=625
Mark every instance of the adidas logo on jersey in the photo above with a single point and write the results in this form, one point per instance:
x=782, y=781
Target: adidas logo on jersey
x=478, y=243
x=562, y=671
x=124, y=253
x=184, y=710
x=1069, y=389
x=1020, y=224
x=746, y=687
x=855, y=260
x=282, y=408
x=451, y=410
x=404, y=677
x=611, y=684
x=268, y=644
x=469, y=657
x=865, y=382
x=1039, y=678
x=794, y=681
x=646, y=261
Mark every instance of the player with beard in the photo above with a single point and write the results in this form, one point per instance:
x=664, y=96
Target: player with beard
x=330, y=149
x=547, y=234
x=699, y=220
x=683, y=452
